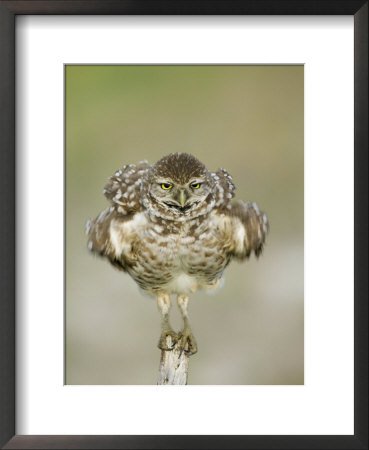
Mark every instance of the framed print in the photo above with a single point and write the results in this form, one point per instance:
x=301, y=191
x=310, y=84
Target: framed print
x=274, y=93
x=175, y=107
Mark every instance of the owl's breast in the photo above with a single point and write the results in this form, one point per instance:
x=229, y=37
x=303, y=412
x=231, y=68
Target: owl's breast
x=153, y=256
x=205, y=255
x=178, y=260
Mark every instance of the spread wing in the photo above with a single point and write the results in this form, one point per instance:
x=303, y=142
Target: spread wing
x=244, y=227
x=123, y=188
x=224, y=188
x=108, y=234
x=102, y=236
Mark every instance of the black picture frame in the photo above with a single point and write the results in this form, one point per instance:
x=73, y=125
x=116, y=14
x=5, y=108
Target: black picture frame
x=8, y=12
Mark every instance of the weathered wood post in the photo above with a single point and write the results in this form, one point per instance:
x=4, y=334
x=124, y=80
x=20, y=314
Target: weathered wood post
x=173, y=367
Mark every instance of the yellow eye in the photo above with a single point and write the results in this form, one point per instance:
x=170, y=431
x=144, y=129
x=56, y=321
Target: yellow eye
x=195, y=185
x=166, y=186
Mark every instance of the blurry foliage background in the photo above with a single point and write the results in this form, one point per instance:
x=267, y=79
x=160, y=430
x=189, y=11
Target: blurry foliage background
x=247, y=119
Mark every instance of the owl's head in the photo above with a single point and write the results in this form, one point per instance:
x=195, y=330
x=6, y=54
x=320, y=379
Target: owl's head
x=179, y=187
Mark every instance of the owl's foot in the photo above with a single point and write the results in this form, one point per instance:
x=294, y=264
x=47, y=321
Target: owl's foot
x=165, y=343
x=187, y=342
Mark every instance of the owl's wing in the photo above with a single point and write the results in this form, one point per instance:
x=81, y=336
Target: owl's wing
x=224, y=188
x=109, y=232
x=245, y=228
x=123, y=188
x=99, y=232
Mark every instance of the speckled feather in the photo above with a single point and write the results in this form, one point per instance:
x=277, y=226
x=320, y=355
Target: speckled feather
x=123, y=188
x=166, y=249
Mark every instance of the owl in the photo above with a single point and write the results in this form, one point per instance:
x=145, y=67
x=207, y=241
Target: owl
x=172, y=226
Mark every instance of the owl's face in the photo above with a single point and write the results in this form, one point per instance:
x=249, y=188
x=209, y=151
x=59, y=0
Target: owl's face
x=179, y=186
x=180, y=197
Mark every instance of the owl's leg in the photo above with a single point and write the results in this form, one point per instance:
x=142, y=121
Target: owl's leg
x=166, y=330
x=187, y=340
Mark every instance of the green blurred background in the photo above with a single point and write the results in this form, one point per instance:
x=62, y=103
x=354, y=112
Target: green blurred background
x=247, y=119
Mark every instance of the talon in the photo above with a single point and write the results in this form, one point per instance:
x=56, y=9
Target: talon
x=163, y=343
x=188, y=342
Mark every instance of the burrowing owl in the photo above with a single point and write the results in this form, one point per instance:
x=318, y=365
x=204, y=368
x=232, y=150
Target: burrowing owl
x=171, y=225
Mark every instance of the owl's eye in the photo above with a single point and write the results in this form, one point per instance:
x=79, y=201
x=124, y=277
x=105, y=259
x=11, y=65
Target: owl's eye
x=195, y=185
x=166, y=186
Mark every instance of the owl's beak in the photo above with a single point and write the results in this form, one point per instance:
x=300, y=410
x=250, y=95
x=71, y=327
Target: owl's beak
x=182, y=197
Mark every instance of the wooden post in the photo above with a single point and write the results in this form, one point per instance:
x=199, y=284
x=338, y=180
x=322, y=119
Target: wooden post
x=173, y=367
